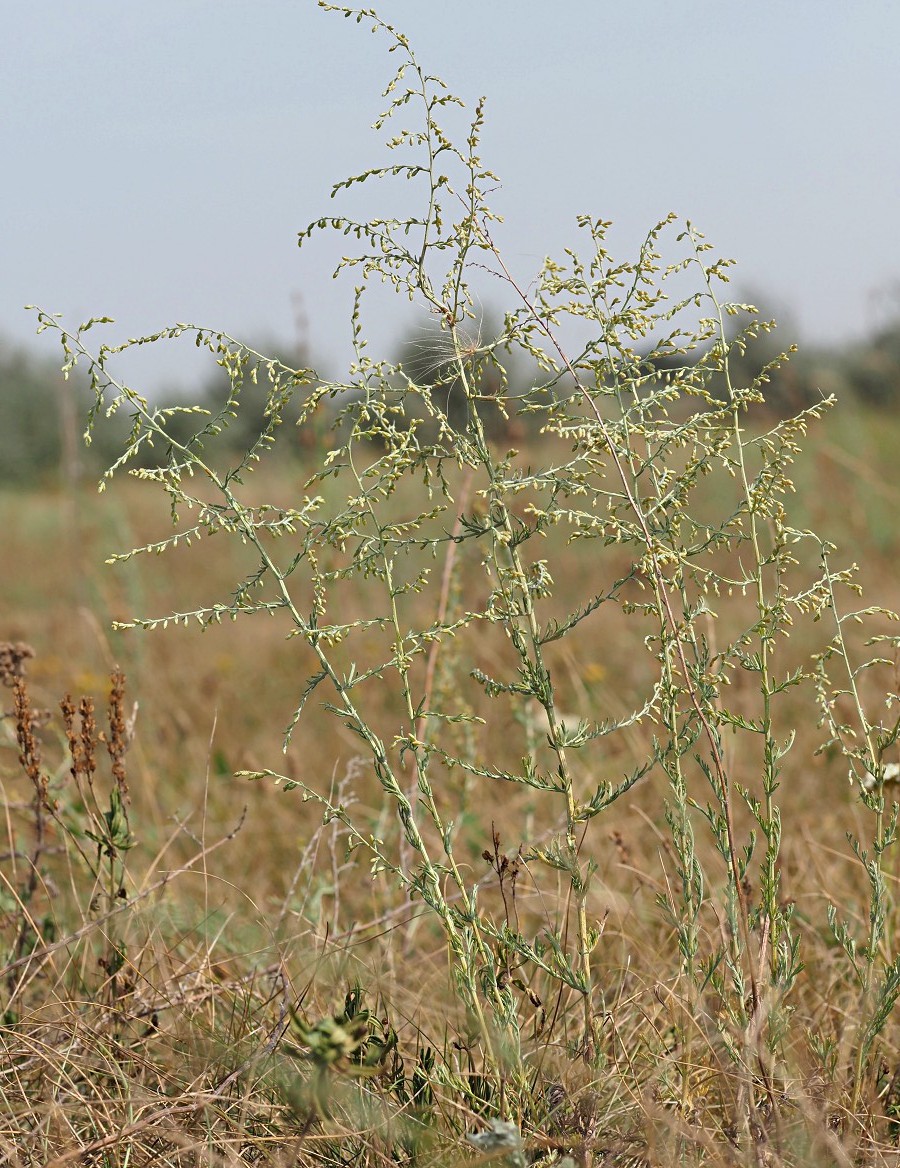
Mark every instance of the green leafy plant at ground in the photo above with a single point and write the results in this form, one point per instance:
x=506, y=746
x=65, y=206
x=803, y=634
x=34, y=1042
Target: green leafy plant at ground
x=415, y=569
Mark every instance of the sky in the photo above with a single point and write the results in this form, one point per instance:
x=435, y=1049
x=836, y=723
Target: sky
x=160, y=159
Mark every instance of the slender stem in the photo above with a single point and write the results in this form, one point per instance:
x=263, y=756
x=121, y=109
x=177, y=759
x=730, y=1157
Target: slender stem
x=661, y=586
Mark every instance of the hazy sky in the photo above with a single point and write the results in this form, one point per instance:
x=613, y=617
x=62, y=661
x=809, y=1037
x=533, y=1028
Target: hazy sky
x=160, y=158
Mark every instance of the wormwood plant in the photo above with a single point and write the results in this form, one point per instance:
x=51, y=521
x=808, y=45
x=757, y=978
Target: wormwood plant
x=671, y=481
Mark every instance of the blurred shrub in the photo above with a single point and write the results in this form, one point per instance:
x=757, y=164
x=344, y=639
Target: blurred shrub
x=42, y=416
x=872, y=368
x=868, y=370
x=511, y=390
x=35, y=414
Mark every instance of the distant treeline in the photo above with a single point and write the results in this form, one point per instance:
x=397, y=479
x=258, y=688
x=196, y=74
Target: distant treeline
x=42, y=418
x=867, y=371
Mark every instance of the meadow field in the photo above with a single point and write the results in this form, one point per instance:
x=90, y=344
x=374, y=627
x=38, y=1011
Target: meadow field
x=166, y=1013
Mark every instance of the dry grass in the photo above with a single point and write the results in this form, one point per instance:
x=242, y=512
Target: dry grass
x=162, y=1001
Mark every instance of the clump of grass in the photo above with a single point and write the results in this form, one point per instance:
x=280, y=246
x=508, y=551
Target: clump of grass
x=413, y=547
x=97, y=1014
